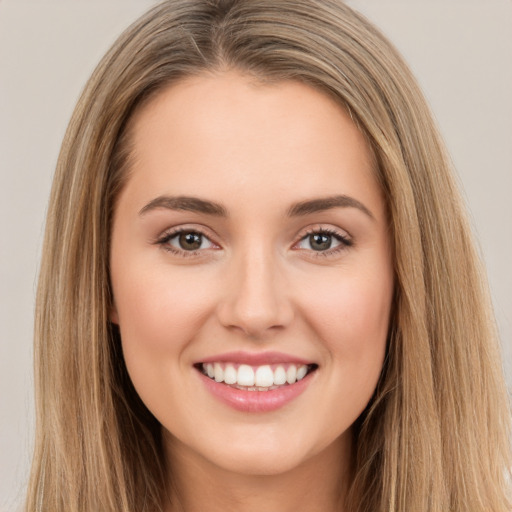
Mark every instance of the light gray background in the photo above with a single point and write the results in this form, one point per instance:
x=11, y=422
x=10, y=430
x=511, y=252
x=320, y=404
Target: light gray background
x=460, y=50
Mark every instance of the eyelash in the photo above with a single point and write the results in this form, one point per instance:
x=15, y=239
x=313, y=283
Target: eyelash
x=345, y=241
x=164, y=240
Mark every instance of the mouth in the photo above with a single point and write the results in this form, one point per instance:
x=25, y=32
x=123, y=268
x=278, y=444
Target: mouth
x=256, y=382
x=245, y=377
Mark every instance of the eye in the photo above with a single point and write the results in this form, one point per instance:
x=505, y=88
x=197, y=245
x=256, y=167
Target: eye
x=189, y=241
x=324, y=241
x=186, y=241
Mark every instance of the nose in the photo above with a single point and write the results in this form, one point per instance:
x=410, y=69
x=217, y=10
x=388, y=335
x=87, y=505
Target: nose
x=254, y=299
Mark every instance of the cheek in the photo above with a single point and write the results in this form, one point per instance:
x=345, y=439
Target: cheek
x=160, y=313
x=159, y=310
x=352, y=318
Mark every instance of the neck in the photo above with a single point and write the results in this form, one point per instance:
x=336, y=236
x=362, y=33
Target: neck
x=318, y=483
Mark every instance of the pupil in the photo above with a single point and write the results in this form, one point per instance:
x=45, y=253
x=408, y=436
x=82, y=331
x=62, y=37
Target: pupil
x=190, y=241
x=320, y=242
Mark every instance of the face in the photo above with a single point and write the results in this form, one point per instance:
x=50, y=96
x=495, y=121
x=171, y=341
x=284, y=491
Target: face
x=251, y=271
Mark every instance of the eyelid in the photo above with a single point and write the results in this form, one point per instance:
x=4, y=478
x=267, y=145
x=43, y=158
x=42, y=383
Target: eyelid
x=345, y=239
x=172, y=232
x=324, y=228
x=341, y=235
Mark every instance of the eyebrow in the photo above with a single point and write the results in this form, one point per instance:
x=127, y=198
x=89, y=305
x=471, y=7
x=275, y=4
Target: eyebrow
x=327, y=203
x=194, y=204
x=190, y=204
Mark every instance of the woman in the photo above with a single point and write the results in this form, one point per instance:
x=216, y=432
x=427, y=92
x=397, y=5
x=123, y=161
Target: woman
x=258, y=288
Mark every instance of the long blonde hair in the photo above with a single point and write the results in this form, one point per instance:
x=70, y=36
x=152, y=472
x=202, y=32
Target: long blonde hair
x=436, y=435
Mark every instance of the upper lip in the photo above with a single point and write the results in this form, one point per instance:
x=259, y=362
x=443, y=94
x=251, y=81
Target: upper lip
x=255, y=358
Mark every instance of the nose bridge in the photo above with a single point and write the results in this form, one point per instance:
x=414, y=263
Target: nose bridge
x=255, y=298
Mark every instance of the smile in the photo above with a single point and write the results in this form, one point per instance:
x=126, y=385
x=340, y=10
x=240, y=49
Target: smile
x=256, y=383
x=256, y=378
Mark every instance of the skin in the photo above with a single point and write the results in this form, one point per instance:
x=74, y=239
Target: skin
x=256, y=284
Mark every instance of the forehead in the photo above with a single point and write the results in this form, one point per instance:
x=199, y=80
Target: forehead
x=226, y=133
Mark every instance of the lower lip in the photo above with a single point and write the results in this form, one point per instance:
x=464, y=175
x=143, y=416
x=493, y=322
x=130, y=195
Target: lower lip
x=256, y=401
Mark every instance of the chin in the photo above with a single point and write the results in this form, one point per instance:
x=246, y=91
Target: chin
x=266, y=452
x=259, y=463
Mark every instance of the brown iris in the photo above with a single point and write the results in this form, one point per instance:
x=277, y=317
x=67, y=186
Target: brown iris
x=190, y=241
x=320, y=241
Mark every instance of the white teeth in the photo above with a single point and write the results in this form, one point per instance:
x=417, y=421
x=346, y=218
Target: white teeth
x=264, y=377
x=291, y=374
x=218, y=372
x=261, y=378
x=301, y=372
x=279, y=376
x=230, y=374
x=245, y=375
